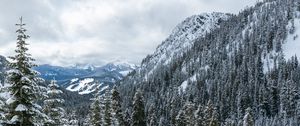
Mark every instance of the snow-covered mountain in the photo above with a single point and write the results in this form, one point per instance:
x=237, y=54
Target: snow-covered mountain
x=183, y=37
x=247, y=60
x=85, y=79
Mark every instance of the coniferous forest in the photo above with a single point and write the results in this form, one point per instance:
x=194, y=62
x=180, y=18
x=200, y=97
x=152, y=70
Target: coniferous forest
x=214, y=69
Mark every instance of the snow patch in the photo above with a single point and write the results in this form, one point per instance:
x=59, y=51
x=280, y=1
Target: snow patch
x=80, y=85
x=90, y=89
x=268, y=61
x=206, y=67
x=86, y=86
x=292, y=44
x=10, y=100
x=104, y=88
x=184, y=84
x=15, y=119
x=125, y=73
x=74, y=80
x=21, y=107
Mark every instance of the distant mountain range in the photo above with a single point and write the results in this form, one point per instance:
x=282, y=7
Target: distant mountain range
x=85, y=79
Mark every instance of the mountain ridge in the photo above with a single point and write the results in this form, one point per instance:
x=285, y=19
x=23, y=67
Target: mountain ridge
x=182, y=38
x=237, y=66
x=85, y=79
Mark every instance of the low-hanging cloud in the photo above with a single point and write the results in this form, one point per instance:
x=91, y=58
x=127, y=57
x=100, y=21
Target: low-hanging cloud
x=99, y=31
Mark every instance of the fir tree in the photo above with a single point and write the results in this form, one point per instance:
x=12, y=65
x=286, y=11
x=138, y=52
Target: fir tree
x=199, y=116
x=214, y=119
x=107, y=109
x=186, y=115
x=127, y=117
x=210, y=115
x=2, y=108
x=248, y=119
x=152, y=116
x=72, y=120
x=24, y=88
x=118, y=118
x=180, y=121
x=95, y=115
x=95, y=112
x=138, y=115
x=52, y=105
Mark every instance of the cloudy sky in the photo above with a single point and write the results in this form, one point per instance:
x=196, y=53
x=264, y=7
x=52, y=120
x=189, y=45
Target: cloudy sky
x=68, y=32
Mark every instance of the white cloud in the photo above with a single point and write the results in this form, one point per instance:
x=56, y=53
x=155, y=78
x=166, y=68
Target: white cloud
x=98, y=31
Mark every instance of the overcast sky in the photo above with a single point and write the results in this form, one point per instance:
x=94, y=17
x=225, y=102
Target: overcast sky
x=68, y=32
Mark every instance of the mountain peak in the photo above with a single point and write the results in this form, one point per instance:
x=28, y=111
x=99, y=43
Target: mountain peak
x=199, y=24
x=183, y=36
x=83, y=66
x=122, y=63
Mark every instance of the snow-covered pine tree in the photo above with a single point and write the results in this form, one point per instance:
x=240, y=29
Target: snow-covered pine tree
x=127, y=117
x=162, y=122
x=138, y=117
x=210, y=115
x=2, y=104
x=199, y=116
x=23, y=85
x=248, y=119
x=214, y=119
x=180, y=121
x=107, y=109
x=52, y=105
x=186, y=115
x=152, y=116
x=4, y=95
x=2, y=108
x=95, y=113
x=72, y=120
x=118, y=118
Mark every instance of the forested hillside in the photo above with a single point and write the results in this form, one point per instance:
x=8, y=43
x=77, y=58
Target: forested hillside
x=244, y=64
x=214, y=69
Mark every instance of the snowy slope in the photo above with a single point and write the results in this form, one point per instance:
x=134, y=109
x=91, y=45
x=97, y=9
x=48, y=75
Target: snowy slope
x=99, y=77
x=87, y=85
x=236, y=64
x=182, y=38
x=292, y=44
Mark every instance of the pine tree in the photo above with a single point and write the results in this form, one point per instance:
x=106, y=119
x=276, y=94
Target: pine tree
x=138, y=115
x=107, y=109
x=72, y=120
x=52, y=105
x=95, y=115
x=24, y=88
x=95, y=112
x=214, y=119
x=199, y=116
x=248, y=119
x=210, y=115
x=118, y=118
x=151, y=116
x=127, y=117
x=180, y=121
x=2, y=107
x=186, y=115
